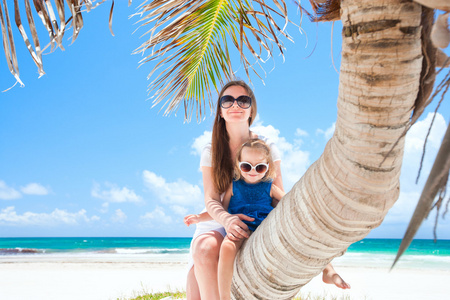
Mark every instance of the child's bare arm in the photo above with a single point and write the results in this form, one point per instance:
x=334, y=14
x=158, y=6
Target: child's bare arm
x=194, y=219
x=276, y=194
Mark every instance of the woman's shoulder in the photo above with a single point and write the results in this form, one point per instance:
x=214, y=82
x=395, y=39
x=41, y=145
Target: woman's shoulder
x=205, y=159
x=207, y=147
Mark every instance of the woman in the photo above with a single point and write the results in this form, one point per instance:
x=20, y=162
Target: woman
x=236, y=110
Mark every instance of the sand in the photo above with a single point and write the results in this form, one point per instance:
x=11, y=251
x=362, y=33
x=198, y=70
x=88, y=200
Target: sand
x=62, y=279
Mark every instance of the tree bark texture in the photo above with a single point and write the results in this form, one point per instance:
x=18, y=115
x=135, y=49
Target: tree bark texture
x=346, y=192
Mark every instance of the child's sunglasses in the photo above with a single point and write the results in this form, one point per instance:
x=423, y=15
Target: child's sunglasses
x=247, y=167
x=243, y=101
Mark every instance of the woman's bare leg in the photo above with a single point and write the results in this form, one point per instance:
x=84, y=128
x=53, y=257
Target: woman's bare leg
x=192, y=291
x=228, y=251
x=206, y=248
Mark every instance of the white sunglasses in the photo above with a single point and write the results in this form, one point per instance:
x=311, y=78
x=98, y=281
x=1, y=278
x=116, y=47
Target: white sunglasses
x=247, y=167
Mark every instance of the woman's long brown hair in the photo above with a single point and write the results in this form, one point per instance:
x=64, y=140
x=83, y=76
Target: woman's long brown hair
x=222, y=162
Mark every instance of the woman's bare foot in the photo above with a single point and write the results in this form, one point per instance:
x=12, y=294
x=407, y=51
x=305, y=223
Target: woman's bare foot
x=330, y=276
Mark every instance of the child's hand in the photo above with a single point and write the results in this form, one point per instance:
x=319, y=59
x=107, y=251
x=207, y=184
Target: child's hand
x=191, y=219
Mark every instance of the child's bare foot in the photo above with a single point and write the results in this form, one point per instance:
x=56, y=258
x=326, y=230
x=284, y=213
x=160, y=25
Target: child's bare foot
x=334, y=278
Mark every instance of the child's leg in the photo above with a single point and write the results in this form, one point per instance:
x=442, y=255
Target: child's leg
x=228, y=251
x=330, y=276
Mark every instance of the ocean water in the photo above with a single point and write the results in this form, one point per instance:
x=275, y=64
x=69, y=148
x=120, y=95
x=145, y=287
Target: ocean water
x=374, y=253
x=380, y=253
x=82, y=249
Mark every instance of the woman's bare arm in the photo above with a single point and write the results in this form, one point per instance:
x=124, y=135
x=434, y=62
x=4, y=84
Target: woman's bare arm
x=227, y=197
x=231, y=223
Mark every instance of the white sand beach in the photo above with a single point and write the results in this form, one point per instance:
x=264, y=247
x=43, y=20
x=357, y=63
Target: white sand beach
x=90, y=279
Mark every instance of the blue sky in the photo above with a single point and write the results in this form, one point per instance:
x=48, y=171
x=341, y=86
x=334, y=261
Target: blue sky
x=82, y=153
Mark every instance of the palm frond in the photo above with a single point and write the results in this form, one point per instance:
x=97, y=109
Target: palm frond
x=8, y=42
x=188, y=46
x=188, y=43
x=53, y=17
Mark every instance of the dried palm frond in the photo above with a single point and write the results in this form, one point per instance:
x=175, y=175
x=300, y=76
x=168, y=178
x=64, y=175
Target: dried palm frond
x=53, y=17
x=190, y=40
x=110, y=18
x=8, y=43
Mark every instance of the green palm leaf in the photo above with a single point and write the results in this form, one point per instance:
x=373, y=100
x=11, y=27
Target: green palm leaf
x=188, y=42
x=187, y=46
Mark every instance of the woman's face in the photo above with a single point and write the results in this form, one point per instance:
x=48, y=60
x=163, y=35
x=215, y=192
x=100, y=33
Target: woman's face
x=254, y=157
x=235, y=114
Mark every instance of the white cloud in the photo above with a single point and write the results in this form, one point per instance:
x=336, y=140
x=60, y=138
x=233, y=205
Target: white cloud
x=403, y=209
x=8, y=216
x=416, y=135
x=300, y=132
x=115, y=194
x=179, y=210
x=8, y=193
x=179, y=192
x=105, y=207
x=34, y=189
x=119, y=216
x=414, y=147
x=268, y=131
x=327, y=133
x=200, y=142
x=156, y=217
x=294, y=161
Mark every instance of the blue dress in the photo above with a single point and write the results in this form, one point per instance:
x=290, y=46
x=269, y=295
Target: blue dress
x=252, y=200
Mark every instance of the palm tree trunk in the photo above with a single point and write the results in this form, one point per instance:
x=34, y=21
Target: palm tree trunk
x=346, y=193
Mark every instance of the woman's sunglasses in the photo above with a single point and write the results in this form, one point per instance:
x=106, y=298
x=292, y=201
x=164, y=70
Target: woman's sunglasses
x=247, y=167
x=227, y=101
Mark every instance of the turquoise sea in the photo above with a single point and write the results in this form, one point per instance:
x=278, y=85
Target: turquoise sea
x=423, y=254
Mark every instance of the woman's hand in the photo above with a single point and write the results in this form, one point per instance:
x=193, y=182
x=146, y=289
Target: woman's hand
x=236, y=229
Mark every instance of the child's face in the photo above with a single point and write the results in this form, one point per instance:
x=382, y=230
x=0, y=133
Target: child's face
x=254, y=157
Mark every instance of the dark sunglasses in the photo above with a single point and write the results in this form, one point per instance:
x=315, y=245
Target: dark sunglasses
x=247, y=167
x=227, y=101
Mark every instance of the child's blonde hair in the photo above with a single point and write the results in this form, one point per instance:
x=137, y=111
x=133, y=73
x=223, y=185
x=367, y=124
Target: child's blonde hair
x=264, y=148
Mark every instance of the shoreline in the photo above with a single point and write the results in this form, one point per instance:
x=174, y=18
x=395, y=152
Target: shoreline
x=106, y=279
